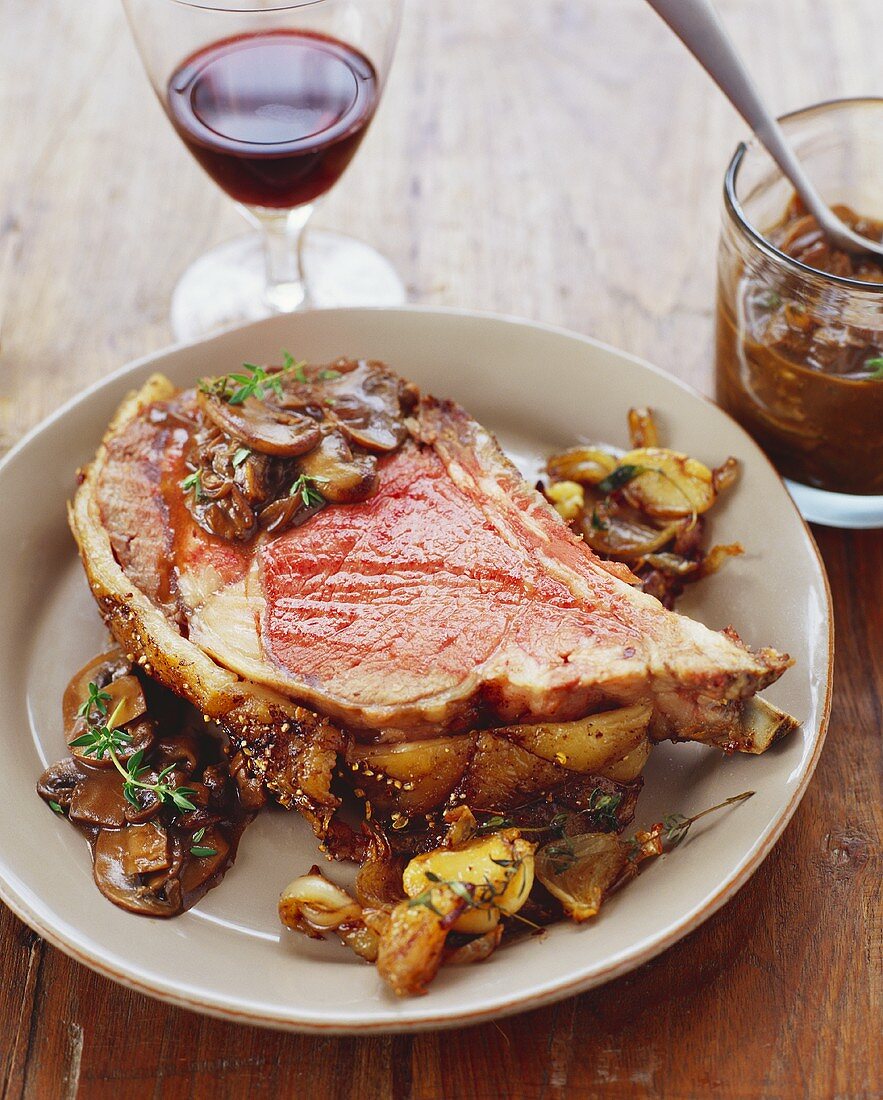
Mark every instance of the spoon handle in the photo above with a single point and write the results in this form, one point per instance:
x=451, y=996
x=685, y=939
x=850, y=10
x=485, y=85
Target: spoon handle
x=698, y=26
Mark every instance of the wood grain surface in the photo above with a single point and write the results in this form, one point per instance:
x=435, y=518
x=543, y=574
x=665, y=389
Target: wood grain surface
x=558, y=159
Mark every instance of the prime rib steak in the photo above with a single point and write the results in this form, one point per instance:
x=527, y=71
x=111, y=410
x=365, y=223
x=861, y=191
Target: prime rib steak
x=452, y=598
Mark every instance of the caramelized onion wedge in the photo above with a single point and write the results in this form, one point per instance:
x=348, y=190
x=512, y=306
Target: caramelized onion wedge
x=263, y=427
x=580, y=870
x=588, y=744
x=477, y=950
x=341, y=476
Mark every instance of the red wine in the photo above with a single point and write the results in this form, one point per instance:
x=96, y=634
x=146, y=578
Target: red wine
x=274, y=118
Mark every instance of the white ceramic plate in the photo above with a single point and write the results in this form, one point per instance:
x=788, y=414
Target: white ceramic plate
x=539, y=388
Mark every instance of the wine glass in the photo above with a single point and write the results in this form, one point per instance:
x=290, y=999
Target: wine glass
x=273, y=99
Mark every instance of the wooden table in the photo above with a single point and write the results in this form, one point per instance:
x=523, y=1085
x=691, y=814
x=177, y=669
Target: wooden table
x=560, y=159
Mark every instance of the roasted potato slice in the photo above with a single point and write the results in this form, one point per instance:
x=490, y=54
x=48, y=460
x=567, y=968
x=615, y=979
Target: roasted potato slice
x=567, y=497
x=497, y=871
x=667, y=484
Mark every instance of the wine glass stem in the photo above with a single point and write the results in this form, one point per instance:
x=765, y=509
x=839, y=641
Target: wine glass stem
x=283, y=244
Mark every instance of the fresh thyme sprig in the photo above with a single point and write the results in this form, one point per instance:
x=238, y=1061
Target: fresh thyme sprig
x=103, y=738
x=604, y=807
x=305, y=488
x=296, y=367
x=97, y=700
x=676, y=826
x=497, y=822
x=106, y=740
x=237, y=388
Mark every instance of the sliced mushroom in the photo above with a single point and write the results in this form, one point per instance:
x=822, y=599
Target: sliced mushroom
x=117, y=850
x=140, y=738
x=262, y=426
x=98, y=800
x=286, y=512
x=125, y=691
x=58, y=782
x=341, y=476
x=222, y=509
x=181, y=750
x=101, y=670
x=199, y=870
x=367, y=404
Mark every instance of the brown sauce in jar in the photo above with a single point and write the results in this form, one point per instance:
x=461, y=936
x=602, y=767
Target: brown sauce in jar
x=804, y=380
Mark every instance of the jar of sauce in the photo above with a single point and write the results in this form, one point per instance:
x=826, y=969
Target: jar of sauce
x=799, y=330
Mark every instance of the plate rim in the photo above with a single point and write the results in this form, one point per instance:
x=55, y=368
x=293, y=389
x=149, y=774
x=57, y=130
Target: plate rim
x=555, y=990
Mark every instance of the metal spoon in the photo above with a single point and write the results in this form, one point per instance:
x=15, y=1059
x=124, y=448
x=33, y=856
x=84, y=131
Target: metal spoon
x=698, y=26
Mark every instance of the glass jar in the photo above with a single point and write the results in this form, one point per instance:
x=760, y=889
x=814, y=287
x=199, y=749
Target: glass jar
x=799, y=352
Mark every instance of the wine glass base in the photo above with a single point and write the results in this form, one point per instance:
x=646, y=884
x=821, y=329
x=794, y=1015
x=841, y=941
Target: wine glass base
x=226, y=286
x=837, y=509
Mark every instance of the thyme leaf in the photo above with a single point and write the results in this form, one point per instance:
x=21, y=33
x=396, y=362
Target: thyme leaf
x=676, y=826
x=305, y=488
x=483, y=895
x=604, y=807
x=622, y=475
x=598, y=523
x=96, y=700
x=297, y=368
x=239, y=456
x=193, y=483
x=875, y=366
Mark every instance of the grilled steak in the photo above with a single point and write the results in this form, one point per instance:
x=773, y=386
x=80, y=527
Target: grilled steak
x=453, y=597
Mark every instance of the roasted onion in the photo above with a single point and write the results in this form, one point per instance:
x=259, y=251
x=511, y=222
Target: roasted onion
x=580, y=870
